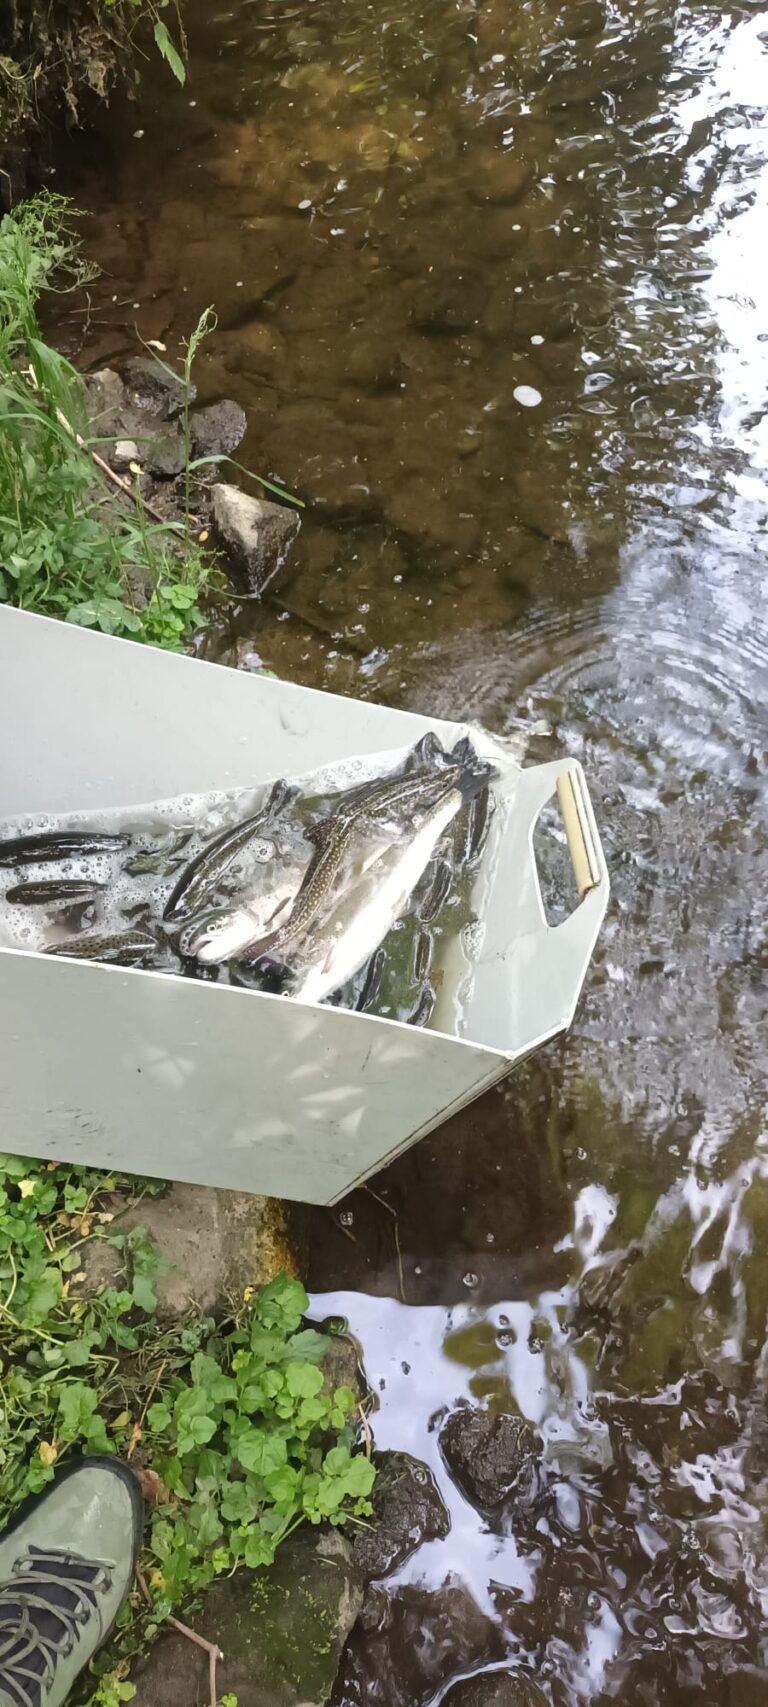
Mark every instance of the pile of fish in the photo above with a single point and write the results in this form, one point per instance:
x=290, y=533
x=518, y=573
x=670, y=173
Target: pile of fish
x=306, y=895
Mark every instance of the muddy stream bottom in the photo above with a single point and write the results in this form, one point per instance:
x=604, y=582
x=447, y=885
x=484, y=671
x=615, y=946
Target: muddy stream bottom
x=491, y=286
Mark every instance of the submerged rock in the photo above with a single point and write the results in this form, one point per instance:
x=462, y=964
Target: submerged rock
x=496, y=1689
x=281, y=1631
x=494, y=1458
x=255, y=533
x=152, y=388
x=409, y=1511
x=410, y=1642
x=218, y=429
x=500, y=179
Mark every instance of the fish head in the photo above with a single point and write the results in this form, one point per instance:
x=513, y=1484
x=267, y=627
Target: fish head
x=217, y=935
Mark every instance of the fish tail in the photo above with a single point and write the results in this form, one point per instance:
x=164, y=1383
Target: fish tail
x=282, y=794
x=428, y=751
x=474, y=778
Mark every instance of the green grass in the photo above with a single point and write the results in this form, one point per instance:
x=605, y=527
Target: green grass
x=70, y=546
x=230, y=1421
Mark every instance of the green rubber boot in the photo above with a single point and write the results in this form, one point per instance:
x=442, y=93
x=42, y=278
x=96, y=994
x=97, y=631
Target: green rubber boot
x=66, y=1566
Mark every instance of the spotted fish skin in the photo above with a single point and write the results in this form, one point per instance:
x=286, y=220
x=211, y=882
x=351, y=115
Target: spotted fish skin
x=52, y=894
x=127, y=948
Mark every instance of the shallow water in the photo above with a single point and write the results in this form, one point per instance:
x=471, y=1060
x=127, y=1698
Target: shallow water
x=491, y=285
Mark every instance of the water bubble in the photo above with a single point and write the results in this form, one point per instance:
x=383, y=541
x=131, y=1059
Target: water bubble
x=346, y=1218
x=470, y=1279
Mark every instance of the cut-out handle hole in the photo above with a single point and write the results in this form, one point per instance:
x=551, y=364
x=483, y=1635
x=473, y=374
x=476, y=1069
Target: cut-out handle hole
x=559, y=894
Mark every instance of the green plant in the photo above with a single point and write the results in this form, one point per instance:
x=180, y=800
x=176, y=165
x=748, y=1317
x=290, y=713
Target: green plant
x=237, y=1435
x=68, y=546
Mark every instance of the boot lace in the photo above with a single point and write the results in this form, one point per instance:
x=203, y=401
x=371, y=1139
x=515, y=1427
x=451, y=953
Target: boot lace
x=44, y=1607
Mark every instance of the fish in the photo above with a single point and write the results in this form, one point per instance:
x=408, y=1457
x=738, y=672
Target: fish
x=125, y=948
x=424, y=1007
x=371, y=990
x=160, y=860
x=438, y=892
x=51, y=894
x=422, y=956
x=54, y=845
x=269, y=913
x=225, y=932
x=208, y=867
x=331, y=955
x=371, y=810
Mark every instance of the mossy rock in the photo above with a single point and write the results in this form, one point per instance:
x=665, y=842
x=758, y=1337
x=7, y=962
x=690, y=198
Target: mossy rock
x=281, y=1631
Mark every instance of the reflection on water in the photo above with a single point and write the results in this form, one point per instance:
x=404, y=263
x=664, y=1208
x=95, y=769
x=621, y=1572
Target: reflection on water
x=491, y=283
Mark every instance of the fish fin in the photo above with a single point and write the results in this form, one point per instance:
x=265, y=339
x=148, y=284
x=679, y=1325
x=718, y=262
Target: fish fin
x=428, y=751
x=464, y=753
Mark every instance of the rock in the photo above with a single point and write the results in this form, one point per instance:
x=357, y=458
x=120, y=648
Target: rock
x=281, y=1631
x=165, y=455
x=414, y=1639
x=152, y=388
x=417, y=507
x=255, y=533
x=493, y=1458
x=106, y=393
x=496, y=1689
x=449, y=304
x=212, y=1243
x=341, y=1367
x=218, y=429
x=499, y=178
x=257, y=349
x=124, y=452
x=409, y=1510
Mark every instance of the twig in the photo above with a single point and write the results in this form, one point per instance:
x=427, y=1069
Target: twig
x=366, y=1431
x=211, y=1648
x=396, y=1230
x=117, y=480
x=139, y=1426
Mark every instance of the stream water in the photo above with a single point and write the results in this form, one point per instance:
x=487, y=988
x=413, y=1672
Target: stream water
x=491, y=284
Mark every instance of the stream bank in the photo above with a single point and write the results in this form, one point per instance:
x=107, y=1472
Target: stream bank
x=587, y=1248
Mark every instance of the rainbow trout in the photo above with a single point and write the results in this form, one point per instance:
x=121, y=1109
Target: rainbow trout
x=333, y=952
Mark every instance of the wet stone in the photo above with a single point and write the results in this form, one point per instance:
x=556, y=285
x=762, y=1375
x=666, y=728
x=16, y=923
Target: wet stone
x=499, y=179
x=496, y=1689
x=409, y=1511
x=494, y=1459
x=152, y=388
x=257, y=349
x=255, y=534
x=218, y=429
x=445, y=306
x=415, y=1640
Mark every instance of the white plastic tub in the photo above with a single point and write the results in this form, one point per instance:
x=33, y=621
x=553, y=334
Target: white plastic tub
x=195, y=1081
